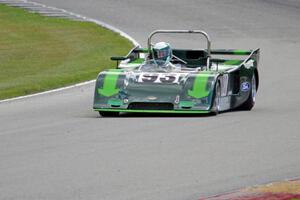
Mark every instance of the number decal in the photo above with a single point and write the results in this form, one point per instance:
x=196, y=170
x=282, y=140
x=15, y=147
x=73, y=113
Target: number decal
x=158, y=78
x=147, y=78
x=168, y=79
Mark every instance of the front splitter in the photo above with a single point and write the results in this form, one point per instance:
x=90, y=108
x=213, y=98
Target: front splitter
x=155, y=111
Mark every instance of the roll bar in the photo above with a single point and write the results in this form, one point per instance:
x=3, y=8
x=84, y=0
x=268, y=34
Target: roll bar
x=184, y=31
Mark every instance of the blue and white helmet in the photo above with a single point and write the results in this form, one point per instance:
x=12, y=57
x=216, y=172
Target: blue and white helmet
x=162, y=53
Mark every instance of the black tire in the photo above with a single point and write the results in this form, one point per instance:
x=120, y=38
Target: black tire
x=217, y=94
x=250, y=102
x=109, y=114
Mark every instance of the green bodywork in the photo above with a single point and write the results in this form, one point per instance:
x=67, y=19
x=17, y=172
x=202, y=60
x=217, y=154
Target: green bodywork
x=200, y=89
x=109, y=87
x=131, y=90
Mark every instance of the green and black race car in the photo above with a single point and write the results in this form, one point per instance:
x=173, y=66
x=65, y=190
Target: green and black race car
x=161, y=80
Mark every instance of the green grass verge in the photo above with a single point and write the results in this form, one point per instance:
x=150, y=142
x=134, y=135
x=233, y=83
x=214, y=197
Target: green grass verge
x=39, y=53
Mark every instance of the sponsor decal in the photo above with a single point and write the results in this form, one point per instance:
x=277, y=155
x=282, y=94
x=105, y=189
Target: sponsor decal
x=245, y=86
x=152, y=98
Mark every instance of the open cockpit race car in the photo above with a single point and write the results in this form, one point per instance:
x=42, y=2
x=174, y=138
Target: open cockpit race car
x=158, y=79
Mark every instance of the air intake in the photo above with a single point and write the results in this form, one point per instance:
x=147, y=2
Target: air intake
x=151, y=106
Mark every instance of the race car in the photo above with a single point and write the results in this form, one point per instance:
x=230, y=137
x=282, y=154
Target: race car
x=160, y=79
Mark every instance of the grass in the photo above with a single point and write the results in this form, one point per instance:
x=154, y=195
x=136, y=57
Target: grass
x=39, y=53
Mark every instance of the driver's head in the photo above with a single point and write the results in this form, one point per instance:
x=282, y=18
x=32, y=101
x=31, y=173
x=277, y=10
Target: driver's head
x=162, y=53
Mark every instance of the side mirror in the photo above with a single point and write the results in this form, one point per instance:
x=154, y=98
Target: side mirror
x=118, y=59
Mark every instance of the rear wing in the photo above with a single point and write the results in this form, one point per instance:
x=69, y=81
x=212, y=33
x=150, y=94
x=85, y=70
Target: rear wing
x=251, y=54
x=230, y=52
x=238, y=52
x=137, y=51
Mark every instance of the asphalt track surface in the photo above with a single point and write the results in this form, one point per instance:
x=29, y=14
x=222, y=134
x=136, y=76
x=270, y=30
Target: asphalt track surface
x=55, y=147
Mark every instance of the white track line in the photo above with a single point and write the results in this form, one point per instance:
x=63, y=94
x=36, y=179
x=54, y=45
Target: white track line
x=100, y=23
x=47, y=92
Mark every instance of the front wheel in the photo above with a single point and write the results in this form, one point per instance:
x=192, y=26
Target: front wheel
x=108, y=114
x=250, y=102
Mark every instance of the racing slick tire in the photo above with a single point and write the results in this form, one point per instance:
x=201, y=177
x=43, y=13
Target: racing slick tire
x=250, y=102
x=217, y=95
x=108, y=114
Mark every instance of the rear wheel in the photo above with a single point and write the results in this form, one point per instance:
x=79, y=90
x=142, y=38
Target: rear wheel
x=108, y=114
x=248, y=105
x=217, y=95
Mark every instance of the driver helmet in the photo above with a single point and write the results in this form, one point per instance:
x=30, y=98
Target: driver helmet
x=162, y=53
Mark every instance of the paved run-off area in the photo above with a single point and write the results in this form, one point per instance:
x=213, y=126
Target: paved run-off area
x=56, y=147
